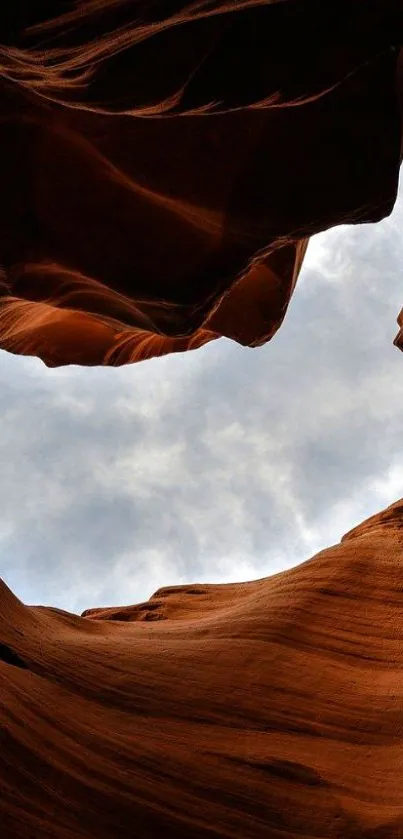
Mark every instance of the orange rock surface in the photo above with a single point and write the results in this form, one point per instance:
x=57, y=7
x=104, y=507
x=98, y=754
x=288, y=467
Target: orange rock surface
x=263, y=710
x=164, y=165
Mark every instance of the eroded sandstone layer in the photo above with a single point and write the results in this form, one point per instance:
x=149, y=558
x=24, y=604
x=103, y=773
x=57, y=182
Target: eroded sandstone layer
x=263, y=710
x=163, y=165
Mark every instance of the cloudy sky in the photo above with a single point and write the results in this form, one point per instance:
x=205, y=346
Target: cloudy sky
x=223, y=464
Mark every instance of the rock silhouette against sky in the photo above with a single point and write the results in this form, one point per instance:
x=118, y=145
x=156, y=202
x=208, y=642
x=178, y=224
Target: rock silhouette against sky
x=164, y=166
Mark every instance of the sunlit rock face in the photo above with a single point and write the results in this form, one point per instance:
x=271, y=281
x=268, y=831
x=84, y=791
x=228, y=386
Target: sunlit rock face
x=163, y=166
x=265, y=709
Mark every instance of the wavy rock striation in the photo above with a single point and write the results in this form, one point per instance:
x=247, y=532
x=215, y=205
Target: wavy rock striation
x=163, y=166
x=265, y=709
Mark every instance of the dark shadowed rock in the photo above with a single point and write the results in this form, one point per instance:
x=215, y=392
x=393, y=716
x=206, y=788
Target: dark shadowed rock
x=163, y=166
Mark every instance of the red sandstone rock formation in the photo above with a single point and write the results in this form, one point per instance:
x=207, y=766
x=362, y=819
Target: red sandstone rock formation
x=163, y=166
x=262, y=710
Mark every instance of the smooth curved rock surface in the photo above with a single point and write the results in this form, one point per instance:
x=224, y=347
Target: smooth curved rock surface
x=265, y=709
x=163, y=166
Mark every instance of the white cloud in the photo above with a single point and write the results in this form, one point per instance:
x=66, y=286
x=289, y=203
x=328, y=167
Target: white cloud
x=221, y=464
